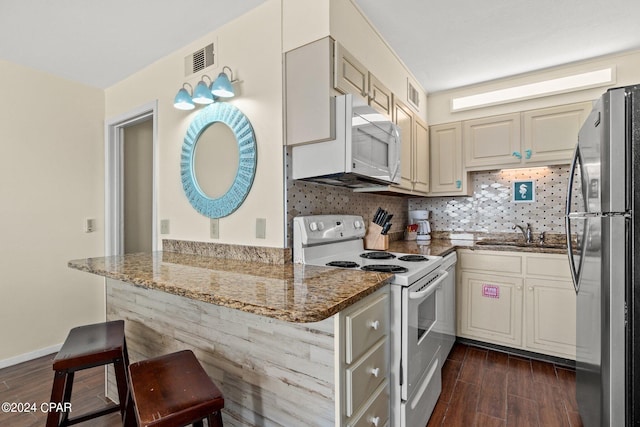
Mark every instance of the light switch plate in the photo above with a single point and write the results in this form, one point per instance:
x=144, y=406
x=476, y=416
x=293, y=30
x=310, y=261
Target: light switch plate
x=214, y=228
x=164, y=226
x=261, y=228
x=89, y=225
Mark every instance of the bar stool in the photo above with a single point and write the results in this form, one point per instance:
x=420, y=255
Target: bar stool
x=86, y=347
x=172, y=390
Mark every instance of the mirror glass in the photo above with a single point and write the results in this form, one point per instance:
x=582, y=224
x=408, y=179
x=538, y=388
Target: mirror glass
x=216, y=159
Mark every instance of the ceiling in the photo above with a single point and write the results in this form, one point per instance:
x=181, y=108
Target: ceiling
x=445, y=44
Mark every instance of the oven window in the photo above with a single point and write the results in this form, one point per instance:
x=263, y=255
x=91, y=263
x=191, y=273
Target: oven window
x=426, y=315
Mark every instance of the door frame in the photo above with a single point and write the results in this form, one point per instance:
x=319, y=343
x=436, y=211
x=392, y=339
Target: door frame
x=114, y=176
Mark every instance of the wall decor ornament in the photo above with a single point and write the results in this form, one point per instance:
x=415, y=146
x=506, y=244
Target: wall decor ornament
x=523, y=191
x=228, y=114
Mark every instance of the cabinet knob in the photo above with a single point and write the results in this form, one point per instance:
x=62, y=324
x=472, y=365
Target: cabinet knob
x=375, y=421
x=517, y=155
x=375, y=372
x=519, y=288
x=375, y=325
x=527, y=154
x=531, y=288
x=458, y=183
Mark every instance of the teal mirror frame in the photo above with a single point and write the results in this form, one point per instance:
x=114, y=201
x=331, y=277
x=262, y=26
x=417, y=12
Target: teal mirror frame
x=241, y=127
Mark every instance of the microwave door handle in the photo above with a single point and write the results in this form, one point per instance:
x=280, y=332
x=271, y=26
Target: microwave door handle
x=396, y=161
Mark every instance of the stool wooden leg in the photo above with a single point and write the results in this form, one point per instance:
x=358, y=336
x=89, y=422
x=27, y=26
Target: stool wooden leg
x=121, y=382
x=57, y=393
x=215, y=420
x=129, y=419
x=198, y=424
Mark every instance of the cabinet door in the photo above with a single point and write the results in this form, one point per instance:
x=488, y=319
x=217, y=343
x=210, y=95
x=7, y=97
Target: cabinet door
x=380, y=97
x=490, y=308
x=421, y=157
x=403, y=117
x=492, y=142
x=550, y=135
x=550, y=317
x=351, y=76
x=446, y=171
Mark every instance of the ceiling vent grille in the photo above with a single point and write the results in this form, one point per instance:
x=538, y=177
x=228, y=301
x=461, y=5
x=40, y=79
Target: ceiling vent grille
x=199, y=60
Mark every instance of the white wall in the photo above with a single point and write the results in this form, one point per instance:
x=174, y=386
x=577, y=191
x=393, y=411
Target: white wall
x=51, y=179
x=626, y=66
x=251, y=46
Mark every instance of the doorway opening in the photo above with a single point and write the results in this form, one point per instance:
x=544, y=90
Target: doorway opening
x=130, y=182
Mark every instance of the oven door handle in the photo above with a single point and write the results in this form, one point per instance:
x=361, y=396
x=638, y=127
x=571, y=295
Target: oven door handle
x=430, y=288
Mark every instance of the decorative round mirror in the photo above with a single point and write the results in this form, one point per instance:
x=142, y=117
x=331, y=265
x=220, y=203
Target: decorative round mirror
x=218, y=161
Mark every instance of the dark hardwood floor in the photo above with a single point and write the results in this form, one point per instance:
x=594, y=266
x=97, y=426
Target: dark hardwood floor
x=31, y=382
x=489, y=388
x=479, y=388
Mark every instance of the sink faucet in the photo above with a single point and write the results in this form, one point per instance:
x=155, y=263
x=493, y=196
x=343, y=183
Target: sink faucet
x=526, y=232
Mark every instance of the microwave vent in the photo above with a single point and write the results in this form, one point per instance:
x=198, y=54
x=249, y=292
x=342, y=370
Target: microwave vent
x=199, y=60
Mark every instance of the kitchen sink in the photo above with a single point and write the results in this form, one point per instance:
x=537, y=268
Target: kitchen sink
x=521, y=244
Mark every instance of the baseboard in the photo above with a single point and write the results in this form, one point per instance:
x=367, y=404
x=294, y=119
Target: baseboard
x=29, y=356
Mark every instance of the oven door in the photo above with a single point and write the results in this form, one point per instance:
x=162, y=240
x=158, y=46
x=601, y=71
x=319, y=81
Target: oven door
x=420, y=343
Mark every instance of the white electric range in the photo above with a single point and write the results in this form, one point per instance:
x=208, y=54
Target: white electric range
x=337, y=241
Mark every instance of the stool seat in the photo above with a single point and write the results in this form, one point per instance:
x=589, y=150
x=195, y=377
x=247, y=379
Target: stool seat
x=86, y=347
x=173, y=390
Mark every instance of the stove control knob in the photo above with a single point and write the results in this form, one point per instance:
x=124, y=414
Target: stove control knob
x=357, y=224
x=313, y=226
x=320, y=226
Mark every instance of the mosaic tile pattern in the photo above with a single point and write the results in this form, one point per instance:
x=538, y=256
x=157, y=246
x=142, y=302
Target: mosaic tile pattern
x=308, y=198
x=490, y=207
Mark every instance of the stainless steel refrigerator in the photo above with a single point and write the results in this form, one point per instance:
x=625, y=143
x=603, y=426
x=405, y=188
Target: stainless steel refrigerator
x=603, y=246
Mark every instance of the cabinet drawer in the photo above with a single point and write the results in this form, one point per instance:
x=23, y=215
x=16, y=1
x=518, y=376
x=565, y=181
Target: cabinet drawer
x=365, y=375
x=490, y=261
x=365, y=326
x=555, y=266
x=376, y=413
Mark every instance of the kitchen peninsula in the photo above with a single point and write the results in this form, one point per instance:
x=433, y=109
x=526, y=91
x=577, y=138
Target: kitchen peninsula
x=263, y=328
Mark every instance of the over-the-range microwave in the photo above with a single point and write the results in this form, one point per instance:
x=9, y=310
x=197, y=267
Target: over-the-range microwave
x=365, y=151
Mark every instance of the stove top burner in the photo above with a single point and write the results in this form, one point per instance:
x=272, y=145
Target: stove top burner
x=343, y=264
x=377, y=255
x=385, y=268
x=413, y=258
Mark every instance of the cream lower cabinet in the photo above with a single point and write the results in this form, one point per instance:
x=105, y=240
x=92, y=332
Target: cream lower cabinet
x=519, y=300
x=363, y=362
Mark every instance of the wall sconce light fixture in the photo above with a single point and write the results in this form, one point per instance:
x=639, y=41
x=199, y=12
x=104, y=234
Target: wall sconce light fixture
x=183, y=100
x=221, y=87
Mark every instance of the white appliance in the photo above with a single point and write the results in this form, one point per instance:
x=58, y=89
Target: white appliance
x=416, y=356
x=421, y=218
x=603, y=245
x=365, y=151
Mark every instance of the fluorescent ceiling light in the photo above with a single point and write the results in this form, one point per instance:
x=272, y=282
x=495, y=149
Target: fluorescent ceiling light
x=575, y=82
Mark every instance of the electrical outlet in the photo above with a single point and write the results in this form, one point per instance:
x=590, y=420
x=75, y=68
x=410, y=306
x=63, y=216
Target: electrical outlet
x=89, y=225
x=214, y=229
x=261, y=228
x=164, y=226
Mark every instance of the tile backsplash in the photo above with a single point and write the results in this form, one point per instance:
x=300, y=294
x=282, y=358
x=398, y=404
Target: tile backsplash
x=490, y=207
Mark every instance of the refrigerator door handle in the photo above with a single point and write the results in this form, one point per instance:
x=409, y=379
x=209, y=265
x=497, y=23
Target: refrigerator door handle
x=567, y=220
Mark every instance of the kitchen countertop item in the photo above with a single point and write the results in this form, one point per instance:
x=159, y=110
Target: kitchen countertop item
x=291, y=292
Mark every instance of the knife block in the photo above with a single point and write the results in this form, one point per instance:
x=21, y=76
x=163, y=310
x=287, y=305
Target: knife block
x=374, y=240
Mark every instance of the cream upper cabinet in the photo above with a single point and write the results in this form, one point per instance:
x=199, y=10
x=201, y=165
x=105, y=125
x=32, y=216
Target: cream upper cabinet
x=421, y=156
x=522, y=300
x=531, y=138
x=551, y=134
x=403, y=117
x=448, y=176
x=491, y=141
x=353, y=77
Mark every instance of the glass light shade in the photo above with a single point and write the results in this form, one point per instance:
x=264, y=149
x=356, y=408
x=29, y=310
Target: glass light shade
x=183, y=100
x=202, y=94
x=222, y=87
